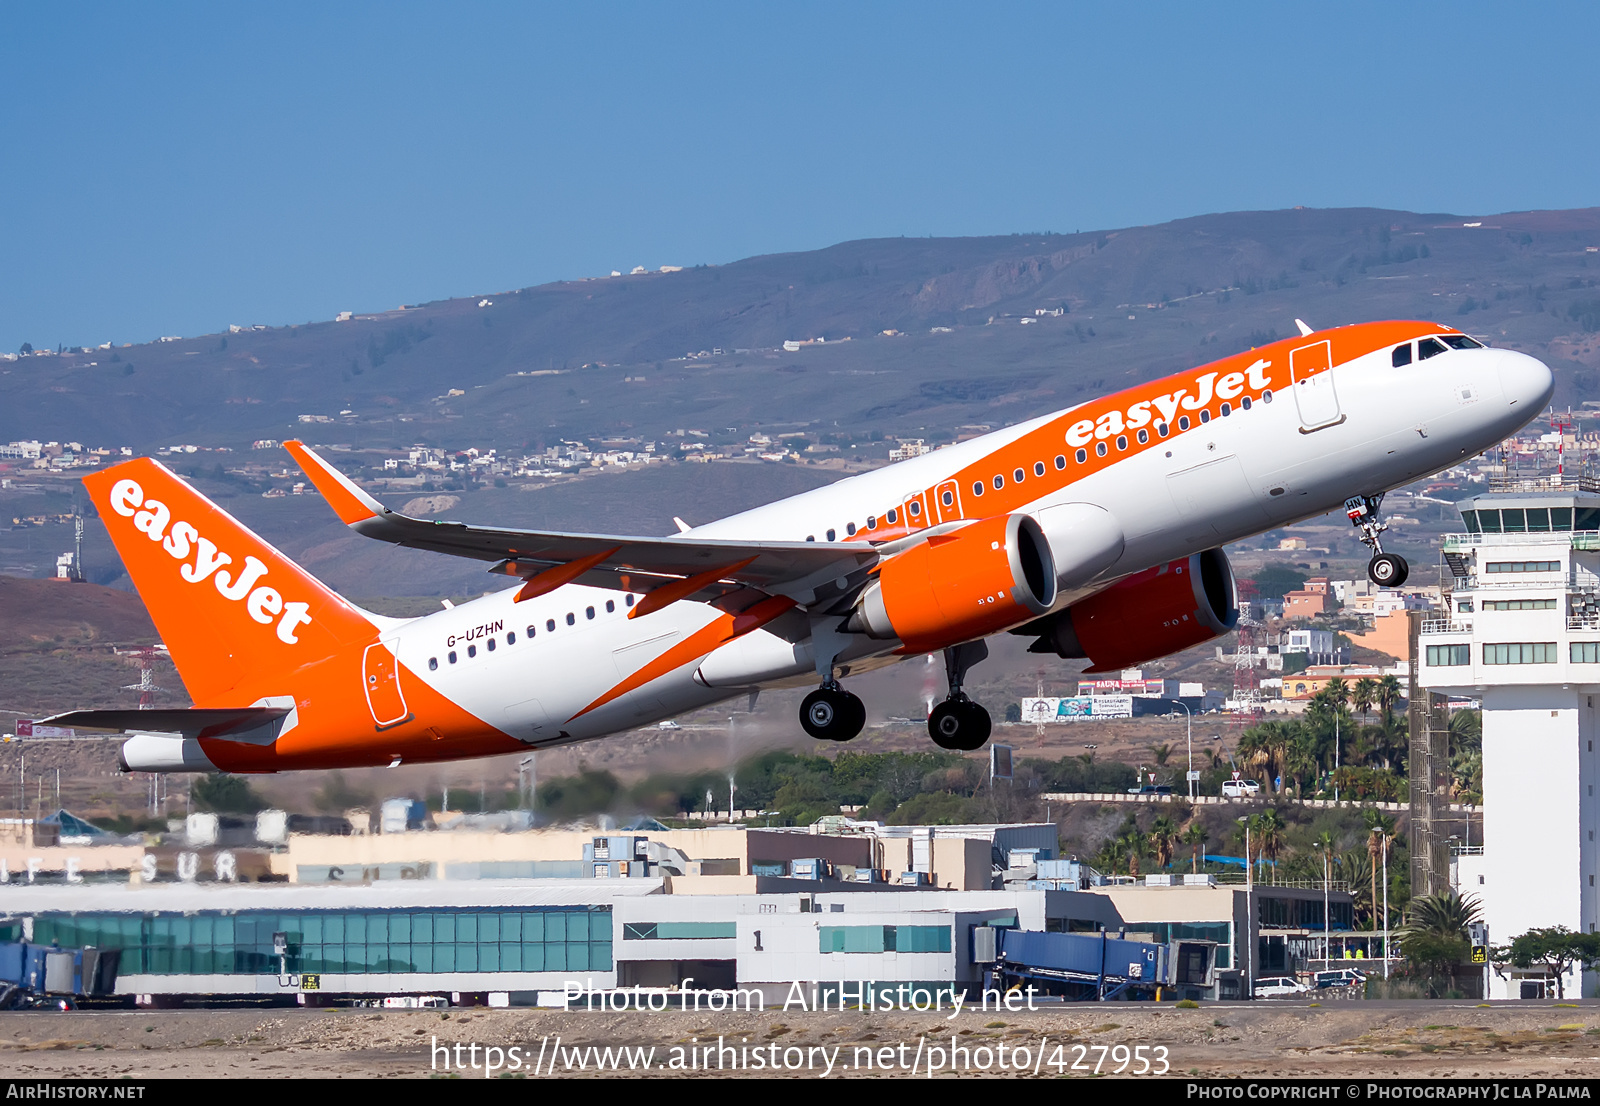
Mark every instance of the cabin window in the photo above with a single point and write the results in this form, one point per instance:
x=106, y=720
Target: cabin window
x=1205, y=417
x=977, y=487
x=511, y=637
x=1017, y=476
x=1082, y=455
x=849, y=529
x=1038, y=468
x=627, y=600
x=894, y=516
x=872, y=522
x=1122, y=441
x=1061, y=462
x=915, y=509
x=1227, y=409
x=1144, y=436
x=1161, y=428
x=999, y=482
x=452, y=656
x=491, y=645
x=611, y=606
x=530, y=631
x=433, y=664
x=572, y=619
x=1183, y=422
x=472, y=650
x=1100, y=449
x=948, y=498
x=588, y=612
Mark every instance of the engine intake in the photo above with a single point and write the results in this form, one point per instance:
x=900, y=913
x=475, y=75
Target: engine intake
x=957, y=587
x=1148, y=615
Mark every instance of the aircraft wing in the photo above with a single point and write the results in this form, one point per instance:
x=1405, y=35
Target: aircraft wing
x=643, y=564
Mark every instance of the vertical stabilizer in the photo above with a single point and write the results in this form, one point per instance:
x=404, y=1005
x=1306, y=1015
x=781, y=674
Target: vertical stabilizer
x=236, y=614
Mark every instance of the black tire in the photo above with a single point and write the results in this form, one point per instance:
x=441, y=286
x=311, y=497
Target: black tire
x=959, y=725
x=832, y=714
x=1388, y=570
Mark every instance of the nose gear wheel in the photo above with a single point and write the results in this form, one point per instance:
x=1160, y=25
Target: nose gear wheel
x=1388, y=570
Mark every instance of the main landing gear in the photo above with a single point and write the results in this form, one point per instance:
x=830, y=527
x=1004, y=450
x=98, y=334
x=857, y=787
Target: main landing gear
x=1387, y=570
x=831, y=713
x=958, y=722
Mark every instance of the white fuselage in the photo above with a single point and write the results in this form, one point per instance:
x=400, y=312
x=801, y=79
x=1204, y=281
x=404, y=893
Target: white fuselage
x=1377, y=428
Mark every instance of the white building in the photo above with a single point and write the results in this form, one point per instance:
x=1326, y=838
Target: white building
x=1522, y=634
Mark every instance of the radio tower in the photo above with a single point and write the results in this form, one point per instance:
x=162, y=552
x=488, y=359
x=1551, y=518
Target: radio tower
x=1246, y=685
x=145, y=658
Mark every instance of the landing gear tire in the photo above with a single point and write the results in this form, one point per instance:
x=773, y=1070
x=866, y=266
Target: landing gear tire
x=832, y=714
x=959, y=724
x=1388, y=570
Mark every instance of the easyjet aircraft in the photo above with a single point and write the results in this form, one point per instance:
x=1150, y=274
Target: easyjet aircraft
x=1095, y=530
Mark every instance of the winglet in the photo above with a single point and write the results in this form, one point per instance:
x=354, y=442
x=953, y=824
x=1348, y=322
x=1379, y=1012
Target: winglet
x=349, y=502
x=1305, y=331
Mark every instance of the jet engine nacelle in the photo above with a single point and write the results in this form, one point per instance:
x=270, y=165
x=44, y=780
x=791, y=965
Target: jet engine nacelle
x=960, y=586
x=1148, y=615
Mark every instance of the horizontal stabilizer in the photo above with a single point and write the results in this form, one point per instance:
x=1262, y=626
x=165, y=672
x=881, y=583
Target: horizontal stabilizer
x=193, y=722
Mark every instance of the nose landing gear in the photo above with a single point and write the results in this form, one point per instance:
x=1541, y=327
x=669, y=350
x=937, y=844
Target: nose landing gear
x=1388, y=570
x=958, y=722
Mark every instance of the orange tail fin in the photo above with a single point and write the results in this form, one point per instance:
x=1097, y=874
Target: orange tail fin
x=236, y=614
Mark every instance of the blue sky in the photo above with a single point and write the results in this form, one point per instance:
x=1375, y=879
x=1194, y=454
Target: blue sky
x=172, y=169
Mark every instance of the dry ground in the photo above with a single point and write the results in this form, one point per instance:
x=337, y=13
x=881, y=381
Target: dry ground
x=1341, y=1040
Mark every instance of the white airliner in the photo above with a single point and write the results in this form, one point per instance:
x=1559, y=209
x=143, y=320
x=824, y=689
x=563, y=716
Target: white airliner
x=1095, y=530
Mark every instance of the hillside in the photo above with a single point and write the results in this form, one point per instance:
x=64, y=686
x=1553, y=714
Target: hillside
x=1137, y=303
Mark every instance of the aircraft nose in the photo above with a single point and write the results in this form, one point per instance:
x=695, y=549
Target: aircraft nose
x=1526, y=381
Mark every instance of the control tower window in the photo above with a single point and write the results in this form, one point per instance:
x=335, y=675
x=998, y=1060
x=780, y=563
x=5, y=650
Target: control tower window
x=1402, y=355
x=1490, y=521
x=1588, y=518
x=1514, y=520
x=1561, y=518
x=1470, y=518
x=1538, y=520
x=1429, y=347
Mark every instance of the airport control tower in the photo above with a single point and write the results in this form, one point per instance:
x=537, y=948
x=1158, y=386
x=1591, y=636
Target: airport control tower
x=1523, y=635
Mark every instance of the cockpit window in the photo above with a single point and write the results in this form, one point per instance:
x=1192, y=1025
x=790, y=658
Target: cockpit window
x=1429, y=347
x=1460, y=341
x=1402, y=355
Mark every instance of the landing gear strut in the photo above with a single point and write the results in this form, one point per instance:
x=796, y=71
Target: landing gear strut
x=831, y=713
x=958, y=722
x=1387, y=570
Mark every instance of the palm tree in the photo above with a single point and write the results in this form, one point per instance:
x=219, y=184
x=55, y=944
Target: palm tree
x=1389, y=693
x=1338, y=691
x=1365, y=695
x=1162, y=833
x=1437, y=932
x=1161, y=753
x=1195, y=837
x=1269, y=830
x=1356, y=869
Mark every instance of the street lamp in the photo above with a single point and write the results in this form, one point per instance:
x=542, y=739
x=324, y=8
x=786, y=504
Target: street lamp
x=1249, y=914
x=1189, y=775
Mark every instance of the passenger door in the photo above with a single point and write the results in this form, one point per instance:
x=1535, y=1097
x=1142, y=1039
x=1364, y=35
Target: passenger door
x=380, y=675
x=1311, y=370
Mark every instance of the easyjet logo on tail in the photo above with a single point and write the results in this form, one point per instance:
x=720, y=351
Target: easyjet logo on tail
x=262, y=602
